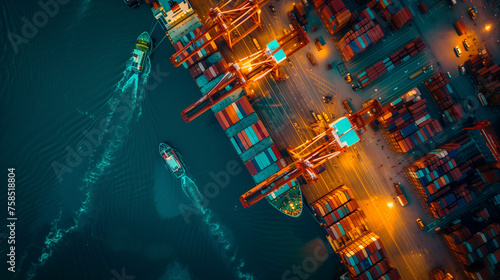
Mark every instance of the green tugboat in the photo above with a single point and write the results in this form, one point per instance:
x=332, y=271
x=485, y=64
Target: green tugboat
x=141, y=51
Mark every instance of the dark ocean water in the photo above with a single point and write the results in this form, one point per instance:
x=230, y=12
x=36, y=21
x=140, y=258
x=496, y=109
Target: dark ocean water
x=93, y=199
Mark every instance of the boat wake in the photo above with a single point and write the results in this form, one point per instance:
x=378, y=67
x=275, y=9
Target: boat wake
x=83, y=9
x=221, y=239
x=124, y=108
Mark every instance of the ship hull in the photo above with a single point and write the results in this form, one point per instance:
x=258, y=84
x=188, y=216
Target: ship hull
x=172, y=160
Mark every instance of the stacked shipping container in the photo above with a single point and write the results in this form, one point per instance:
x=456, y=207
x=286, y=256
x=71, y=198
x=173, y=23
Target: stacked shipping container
x=406, y=122
x=253, y=143
x=477, y=253
x=387, y=64
x=423, y=8
x=490, y=172
x=400, y=18
x=445, y=180
x=365, y=259
x=334, y=15
x=367, y=14
x=356, y=41
x=338, y=213
x=381, y=4
x=441, y=91
x=487, y=75
x=209, y=49
x=359, y=249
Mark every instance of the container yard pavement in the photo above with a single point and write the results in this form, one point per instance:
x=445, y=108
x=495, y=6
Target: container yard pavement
x=285, y=109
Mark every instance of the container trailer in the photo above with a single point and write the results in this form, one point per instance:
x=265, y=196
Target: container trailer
x=401, y=197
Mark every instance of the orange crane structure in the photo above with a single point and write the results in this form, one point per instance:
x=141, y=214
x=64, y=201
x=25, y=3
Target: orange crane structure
x=248, y=70
x=222, y=22
x=309, y=156
x=486, y=130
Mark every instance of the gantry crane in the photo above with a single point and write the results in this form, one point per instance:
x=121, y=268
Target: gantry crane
x=248, y=70
x=309, y=156
x=222, y=23
x=489, y=136
x=306, y=166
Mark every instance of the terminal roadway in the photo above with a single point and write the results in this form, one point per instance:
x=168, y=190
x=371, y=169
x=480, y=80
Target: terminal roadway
x=285, y=107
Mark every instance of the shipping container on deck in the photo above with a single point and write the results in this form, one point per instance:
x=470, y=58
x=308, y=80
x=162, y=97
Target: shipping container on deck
x=182, y=29
x=263, y=160
x=234, y=113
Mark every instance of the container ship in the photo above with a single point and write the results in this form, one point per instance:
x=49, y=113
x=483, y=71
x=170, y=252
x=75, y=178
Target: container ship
x=240, y=122
x=171, y=160
x=141, y=51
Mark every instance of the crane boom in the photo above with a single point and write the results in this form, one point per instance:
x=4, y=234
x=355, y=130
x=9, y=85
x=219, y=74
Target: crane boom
x=246, y=71
x=222, y=23
x=309, y=156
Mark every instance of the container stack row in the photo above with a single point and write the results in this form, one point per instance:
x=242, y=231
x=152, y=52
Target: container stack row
x=356, y=41
x=481, y=215
x=400, y=19
x=245, y=130
x=365, y=258
x=487, y=75
x=339, y=213
x=300, y=13
x=367, y=14
x=446, y=178
x=380, y=4
x=490, y=172
x=334, y=14
x=205, y=73
x=200, y=54
x=423, y=8
x=387, y=64
x=477, y=249
x=359, y=249
x=406, y=122
x=252, y=142
x=441, y=91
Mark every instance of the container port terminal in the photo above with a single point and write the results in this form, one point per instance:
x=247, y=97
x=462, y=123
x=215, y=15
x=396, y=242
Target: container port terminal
x=275, y=74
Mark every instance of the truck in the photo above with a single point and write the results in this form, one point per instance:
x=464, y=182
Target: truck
x=347, y=106
x=311, y=59
x=401, y=197
x=318, y=44
x=423, y=70
x=461, y=29
x=256, y=44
